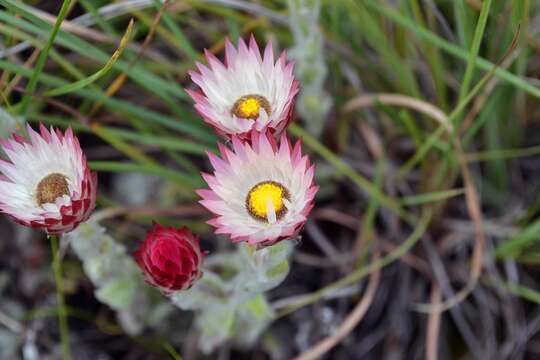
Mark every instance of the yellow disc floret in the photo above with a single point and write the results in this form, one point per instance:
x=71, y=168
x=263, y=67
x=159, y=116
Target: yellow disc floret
x=249, y=106
x=265, y=197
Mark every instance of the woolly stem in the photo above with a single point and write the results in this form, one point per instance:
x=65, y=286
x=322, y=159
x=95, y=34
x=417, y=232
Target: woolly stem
x=62, y=311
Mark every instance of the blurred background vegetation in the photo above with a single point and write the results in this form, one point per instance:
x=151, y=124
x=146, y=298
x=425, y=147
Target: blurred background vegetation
x=421, y=115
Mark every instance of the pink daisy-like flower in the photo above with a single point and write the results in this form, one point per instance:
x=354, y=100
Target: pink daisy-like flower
x=46, y=183
x=248, y=92
x=261, y=192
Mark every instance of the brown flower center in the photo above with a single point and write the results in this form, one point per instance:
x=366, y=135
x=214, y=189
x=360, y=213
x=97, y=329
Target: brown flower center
x=248, y=106
x=51, y=188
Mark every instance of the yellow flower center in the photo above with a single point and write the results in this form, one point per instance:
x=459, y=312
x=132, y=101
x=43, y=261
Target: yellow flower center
x=51, y=188
x=249, y=106
x=265, y=198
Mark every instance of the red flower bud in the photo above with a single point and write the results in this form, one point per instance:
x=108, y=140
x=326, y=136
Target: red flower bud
x=170, y=258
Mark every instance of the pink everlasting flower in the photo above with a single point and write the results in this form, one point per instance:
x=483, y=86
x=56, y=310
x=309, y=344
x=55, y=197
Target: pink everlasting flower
x=170, y=258
x=46, y=183
x=249, y=92
x=261, y=192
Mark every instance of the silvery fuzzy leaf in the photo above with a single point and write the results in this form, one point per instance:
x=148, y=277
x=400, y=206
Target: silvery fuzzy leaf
x=30, y=350
x=264, y=269
x=252, y=319
x=216, y=324
x=9, y=344
x=88, y=239
x=94, y=269
x=229, y=298
x=147, y=308
x=159, y=311
x=119, y=282
x=118, y=292
x=8, y=123
x=207, y=291
x=311, y=70
x=130, y=322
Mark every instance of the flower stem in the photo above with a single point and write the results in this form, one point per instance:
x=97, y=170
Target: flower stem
x=62, y=312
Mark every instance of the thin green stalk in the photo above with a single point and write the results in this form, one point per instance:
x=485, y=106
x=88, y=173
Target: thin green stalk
x=463, y=25
x=436, y=135
x=475, y=47
x=181, y=41
x=62, y=311
x=171, y=350
x=122, y=146
x=415, y=200
x=40, y=64
x=421, y=152
x=176, y=177
x=364, y=271
x=161, y=141
x=374, y=34
x=64, y=89
x=368, y=222
x=503, y=154
x=346, y=170
x=167, y=91
x=515, y=288
x=450, y=48
x=521, y=18
x=518, y=243
x=433, y=58
x=130, y=111
x=90, y=7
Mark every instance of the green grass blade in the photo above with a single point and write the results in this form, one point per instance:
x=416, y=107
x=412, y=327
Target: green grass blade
x=122, y=106
x=171, y=175
x=361, y=272
x=374, y=34
x=346, y=170
x=101, y=72
x=450, y=48
x=522, y=291
x=40, y=64
x=162, y=142
x=431, y=197
x=475, y=47
x=463, y=24
x=181, y=41
x=503, y=154
x=514, y=246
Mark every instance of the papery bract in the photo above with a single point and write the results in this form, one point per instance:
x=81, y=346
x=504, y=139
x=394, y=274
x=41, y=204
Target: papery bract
x=170, y=258
x=46, y=183
x=249, y=92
